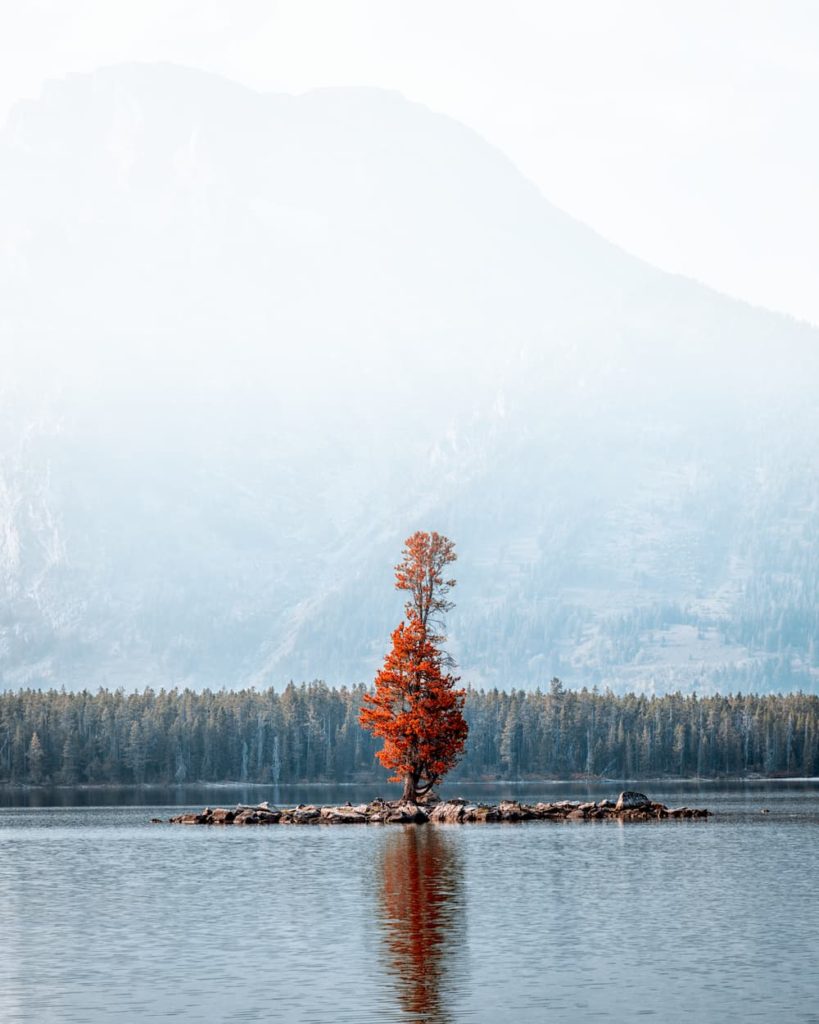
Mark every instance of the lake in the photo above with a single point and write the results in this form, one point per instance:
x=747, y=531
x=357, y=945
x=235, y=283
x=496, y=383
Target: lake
x=105, y=916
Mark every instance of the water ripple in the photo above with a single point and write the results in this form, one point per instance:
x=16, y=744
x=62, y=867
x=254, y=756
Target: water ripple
x=103, y=915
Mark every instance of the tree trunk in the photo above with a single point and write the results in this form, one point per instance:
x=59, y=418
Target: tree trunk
x=410, y=794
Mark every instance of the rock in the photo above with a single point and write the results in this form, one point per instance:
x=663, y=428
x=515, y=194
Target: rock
x=346, y=815
x=407, y=813
x=629, y=800
x=158, y=821
x=449, y=812
x=630, y=806
x=549, y=811
x=259, y=814
x=634, y=814
x=511, y=810
x=455, y=812
x=268, y=817
x=485, y=813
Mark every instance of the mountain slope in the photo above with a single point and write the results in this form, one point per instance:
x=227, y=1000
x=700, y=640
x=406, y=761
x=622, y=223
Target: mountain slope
x=250, y=342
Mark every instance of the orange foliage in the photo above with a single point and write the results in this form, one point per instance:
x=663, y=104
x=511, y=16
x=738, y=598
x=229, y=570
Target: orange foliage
x=415, y=707
x=421, y=572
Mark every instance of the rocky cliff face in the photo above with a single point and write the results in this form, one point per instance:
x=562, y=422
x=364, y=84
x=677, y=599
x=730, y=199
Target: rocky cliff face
x=250, y=342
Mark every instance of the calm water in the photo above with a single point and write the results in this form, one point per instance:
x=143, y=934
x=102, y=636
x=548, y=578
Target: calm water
x=105, y=916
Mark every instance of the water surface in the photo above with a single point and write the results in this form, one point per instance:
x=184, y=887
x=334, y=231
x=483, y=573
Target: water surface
x=104, y=915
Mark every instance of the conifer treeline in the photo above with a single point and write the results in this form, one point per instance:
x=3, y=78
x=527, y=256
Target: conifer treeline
x=311, y=733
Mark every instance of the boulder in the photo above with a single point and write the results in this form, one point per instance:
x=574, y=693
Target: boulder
x=630, y=800
x=475, y=812
x=449, y=812
x=511, y=810
x=306, y=814
x=407, y=813
x=549, y=811
x=347, y=815
x=221, y=816
x=268, y=817
x=576, y=815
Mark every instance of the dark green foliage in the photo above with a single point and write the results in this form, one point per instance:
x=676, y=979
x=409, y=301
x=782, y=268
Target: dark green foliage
x=311, y=732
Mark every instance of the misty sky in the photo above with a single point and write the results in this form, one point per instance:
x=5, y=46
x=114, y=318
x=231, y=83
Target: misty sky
x=686, y=133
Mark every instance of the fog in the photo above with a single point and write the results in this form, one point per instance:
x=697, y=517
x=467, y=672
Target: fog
x=251, y=341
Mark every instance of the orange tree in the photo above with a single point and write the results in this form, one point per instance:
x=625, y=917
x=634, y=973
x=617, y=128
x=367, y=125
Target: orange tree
x=415, y=707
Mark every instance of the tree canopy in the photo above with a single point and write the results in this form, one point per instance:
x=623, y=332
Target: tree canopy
x=310, y=732
x=415, y=707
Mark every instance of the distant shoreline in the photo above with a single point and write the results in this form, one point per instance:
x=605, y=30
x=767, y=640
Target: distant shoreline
x=323, y=784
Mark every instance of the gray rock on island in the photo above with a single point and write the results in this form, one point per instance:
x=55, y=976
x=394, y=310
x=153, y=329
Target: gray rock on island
x=629, y=806
x=628, y=799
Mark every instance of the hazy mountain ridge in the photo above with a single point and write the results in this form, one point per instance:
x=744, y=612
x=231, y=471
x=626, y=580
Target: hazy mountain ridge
x=250, y=342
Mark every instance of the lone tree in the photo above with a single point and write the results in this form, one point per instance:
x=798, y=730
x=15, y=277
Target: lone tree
x=416, y=708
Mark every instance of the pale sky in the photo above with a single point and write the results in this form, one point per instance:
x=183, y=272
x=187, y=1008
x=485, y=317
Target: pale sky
x=686, y=133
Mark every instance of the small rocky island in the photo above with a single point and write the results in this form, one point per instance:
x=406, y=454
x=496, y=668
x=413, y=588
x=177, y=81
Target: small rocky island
x=629, y=806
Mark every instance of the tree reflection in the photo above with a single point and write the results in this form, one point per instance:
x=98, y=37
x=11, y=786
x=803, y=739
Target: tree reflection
x=421, y=917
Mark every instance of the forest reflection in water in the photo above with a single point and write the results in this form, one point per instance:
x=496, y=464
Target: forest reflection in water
x=421, y=917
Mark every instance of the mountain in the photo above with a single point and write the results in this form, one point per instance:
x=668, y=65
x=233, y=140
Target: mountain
x=250, y=342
